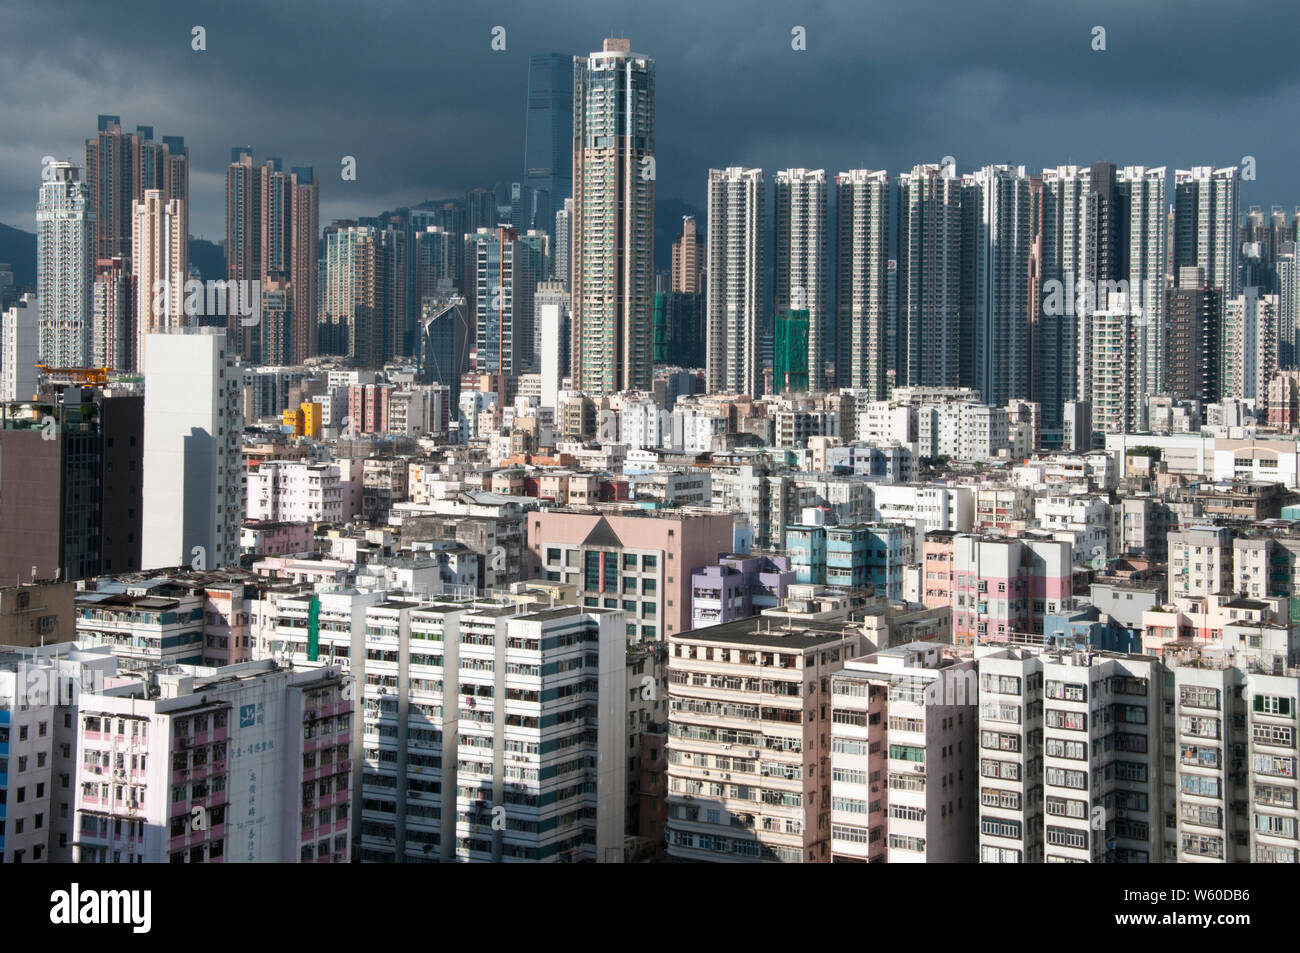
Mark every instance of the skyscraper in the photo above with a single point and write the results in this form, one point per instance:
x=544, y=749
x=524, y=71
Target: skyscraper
x=548, y=136
x=362, y=301
x=1193, y=339
x=193, y=484
x=1142, y=192
x=480, y=210
x=120, y=168
x=272, y=228
x=113, y=344
x=1206, y=224
x=563, y=254
x=1249, y=345
x=1062, y=222
x=862, y=280
x=1101, y=232
x=508, y=267
x=996, y=239
x=1287, y=282
x=160, y=263
x=799, y=281
x=613, y=219
x=65, y=225
x=736, y=273
x=929, y=276
x=687, y=258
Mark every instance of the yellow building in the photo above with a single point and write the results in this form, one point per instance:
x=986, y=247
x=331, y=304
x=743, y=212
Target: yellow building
x=311, y=419
x=293, y=418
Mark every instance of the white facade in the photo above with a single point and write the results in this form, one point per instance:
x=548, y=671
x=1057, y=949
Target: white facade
x=160, y=263
x=295, y=492
x=65, y=266
x=19, y=347
x=193, y=473
x=800, y=257
x=734, y=285
x=247, y=763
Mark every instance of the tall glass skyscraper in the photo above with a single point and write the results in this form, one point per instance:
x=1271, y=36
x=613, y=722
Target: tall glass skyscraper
x=548, y=139
x=613, y=219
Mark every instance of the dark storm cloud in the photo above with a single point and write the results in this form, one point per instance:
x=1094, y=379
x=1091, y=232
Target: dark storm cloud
x=415, y=92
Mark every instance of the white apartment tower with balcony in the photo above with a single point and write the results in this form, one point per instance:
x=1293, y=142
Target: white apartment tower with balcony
x=65, y=266
x=862, y=280
x=904, y=759
x=736, y=275
x=799, y=256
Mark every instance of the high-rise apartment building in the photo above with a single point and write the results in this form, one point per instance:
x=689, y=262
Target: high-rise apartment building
x=996, y=244
x=929, y=276
x=862, y=281
x=362, y=299
x=272, y=229
x=735, y=278
x=1286, y=274
x=120, y=167
x=193, y=469
x=749, y=739
x=1117, y=392
x=799, y=257
x=613, y=219
x=688, y=259
x=1249, y=345
x=259, y=754
x=1071, y=757
x=20, y=336
x=461, y=754
x=508, y=266
x=562, y=259
x=1142, y=194
x=612, y=241
x=904, y=757
x=160, y=263
x=70, y=483
x=113, y=343
x=65, y=226
x=1207, y=223
x=1193, y=339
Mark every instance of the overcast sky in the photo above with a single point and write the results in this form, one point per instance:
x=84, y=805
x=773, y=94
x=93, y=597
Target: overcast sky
x=414, y=90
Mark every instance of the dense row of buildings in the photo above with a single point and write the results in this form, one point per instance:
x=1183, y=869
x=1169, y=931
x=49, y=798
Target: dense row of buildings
x=962, y=524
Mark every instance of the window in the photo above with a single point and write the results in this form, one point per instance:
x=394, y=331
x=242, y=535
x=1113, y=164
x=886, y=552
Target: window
x=907, y=753
x=1065, y=807
x=1064, y=837
x=1066, y=691
x=1060, y=777
x=1070, y=720
x=1274, y=705
x=998, y=827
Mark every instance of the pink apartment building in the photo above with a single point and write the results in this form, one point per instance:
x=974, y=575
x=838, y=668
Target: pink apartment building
x=936, y=569
x=245, y=763
x=635, y=560
x=1002, y=587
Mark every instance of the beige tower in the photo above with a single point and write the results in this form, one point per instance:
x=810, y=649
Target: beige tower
x=160, y=263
